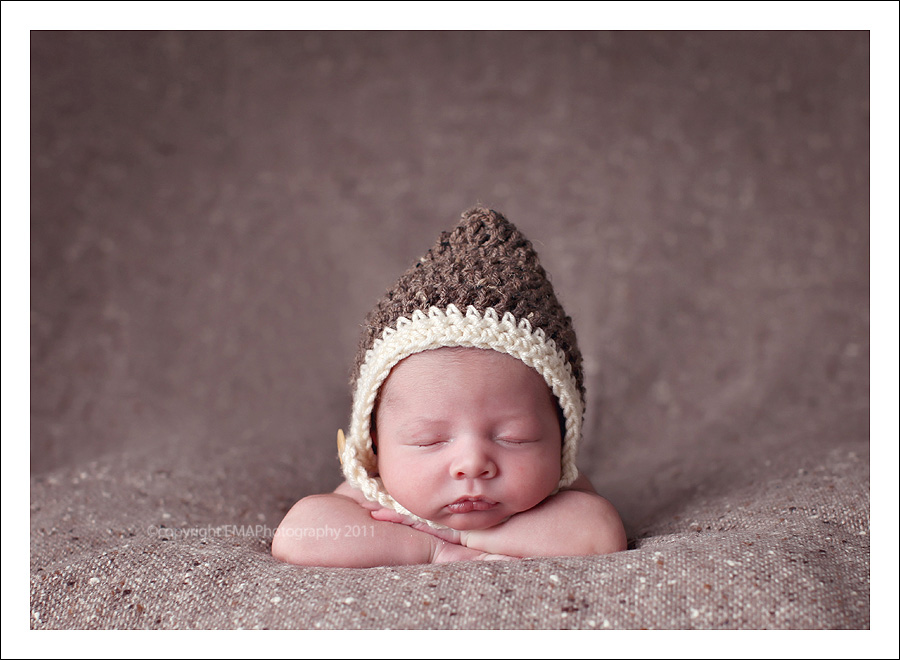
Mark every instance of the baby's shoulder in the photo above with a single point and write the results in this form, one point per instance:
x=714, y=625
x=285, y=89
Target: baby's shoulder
x=583, y=484
x=348, y=491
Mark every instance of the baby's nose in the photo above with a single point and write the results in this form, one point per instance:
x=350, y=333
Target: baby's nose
x=473, y=461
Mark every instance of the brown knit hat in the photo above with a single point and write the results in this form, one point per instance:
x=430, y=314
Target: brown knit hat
x=480, y=286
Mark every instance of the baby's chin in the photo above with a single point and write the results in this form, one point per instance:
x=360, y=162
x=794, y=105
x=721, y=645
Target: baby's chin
x=469, y=522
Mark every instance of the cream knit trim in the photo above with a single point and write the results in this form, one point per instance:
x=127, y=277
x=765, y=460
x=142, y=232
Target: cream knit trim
x=437, y=329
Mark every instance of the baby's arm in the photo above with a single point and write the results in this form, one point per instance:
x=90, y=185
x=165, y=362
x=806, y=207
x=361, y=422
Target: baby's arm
x=575, y=521
x=335, y=529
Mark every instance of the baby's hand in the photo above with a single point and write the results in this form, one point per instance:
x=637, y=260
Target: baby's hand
x=449, y=545
x=447, y=552
x=389, y=515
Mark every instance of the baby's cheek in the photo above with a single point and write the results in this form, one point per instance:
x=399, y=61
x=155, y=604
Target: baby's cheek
x=403, y=480
x=537, y=479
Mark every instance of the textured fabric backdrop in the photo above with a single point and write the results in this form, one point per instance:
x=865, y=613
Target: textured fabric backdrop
x=213, y=214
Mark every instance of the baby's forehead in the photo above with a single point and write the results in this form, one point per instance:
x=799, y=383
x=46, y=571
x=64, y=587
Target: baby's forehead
x=433, y=369
x=449, y=359
x=437, y=357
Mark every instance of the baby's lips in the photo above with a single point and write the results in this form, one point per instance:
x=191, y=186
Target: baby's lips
x=467, y=505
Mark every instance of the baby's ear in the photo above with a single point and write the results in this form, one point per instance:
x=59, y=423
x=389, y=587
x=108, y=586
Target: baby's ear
x=373, y=433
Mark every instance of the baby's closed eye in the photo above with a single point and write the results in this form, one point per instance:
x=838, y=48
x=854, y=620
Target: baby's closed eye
x=515, y=440
x=429, y=443
x=426, y=440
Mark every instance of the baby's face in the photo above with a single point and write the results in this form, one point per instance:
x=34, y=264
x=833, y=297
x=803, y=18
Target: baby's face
x=467, y=437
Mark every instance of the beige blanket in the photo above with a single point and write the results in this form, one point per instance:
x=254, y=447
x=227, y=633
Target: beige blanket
x=214, y=213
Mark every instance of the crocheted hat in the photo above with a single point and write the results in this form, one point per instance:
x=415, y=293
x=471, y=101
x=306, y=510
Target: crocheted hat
x=480, y=286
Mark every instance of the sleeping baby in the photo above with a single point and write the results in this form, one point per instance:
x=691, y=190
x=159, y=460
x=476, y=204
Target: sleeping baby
x=467, y=412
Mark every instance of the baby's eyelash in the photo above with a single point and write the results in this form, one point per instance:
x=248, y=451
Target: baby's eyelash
x=516, y=441
x=428, y=443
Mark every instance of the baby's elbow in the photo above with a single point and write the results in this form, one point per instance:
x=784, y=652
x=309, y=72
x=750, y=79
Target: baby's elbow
x=610, y=538
x=286, y=548
x=605, y=533
x=293, y=543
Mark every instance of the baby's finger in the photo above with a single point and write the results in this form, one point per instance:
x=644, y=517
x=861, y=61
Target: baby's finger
x=489, y=557
x=387, y=515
